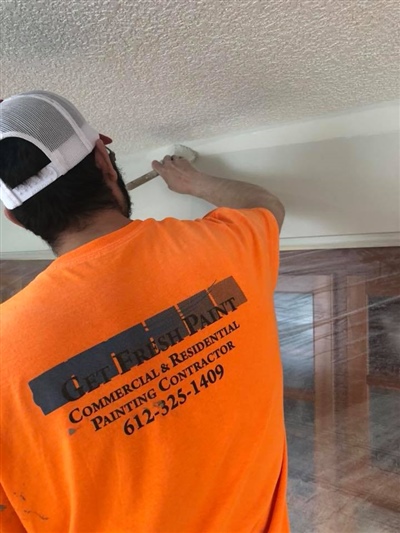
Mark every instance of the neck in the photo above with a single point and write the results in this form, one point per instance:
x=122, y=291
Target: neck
x=99, y=225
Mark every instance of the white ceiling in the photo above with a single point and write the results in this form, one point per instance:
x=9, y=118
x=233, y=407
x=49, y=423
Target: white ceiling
x=158, y=71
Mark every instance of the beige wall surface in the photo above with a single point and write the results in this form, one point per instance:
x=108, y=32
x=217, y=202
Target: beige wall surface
x=338, y=177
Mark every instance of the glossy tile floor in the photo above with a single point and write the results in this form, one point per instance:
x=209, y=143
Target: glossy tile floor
x=339, y=319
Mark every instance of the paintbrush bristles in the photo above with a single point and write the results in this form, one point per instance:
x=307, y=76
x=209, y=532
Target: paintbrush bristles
x=185, y=152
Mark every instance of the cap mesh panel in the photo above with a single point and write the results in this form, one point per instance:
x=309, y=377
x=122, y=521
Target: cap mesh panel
x=75, y=114
x=37, y=118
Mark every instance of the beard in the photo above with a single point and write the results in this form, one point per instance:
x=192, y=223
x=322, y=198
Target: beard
x=126, y=207
x=127, y=204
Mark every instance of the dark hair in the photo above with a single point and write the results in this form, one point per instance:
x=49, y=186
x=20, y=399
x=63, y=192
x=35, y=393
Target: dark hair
x=66, y=204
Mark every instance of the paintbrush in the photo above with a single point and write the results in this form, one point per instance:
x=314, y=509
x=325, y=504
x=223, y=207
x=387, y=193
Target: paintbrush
x=179, y=151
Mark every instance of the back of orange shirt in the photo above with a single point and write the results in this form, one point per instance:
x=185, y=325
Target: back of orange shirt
x=141, y=384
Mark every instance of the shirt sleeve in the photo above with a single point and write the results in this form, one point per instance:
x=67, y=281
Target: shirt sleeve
x=256, y=228
x=9, y=521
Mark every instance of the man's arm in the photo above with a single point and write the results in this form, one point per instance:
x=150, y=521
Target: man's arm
x=183, y=178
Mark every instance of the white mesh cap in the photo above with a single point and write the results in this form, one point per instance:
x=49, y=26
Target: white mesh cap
x=56, y=127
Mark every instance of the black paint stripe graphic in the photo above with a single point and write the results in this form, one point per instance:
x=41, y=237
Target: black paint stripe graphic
x=225, y=289
x=88, y=370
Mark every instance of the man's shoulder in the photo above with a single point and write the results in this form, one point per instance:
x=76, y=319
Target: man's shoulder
x=13, y=311
x=22, y=307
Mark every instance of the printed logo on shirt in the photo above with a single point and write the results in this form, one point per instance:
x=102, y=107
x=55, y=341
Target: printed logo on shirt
x=87, y=371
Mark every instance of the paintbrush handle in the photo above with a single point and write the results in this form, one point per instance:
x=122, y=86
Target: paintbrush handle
x=143, y=179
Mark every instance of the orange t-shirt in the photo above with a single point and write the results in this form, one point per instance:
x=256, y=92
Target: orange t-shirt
x=141, y=384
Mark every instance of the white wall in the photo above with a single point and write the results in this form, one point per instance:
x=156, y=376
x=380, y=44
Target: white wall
x=338, y=177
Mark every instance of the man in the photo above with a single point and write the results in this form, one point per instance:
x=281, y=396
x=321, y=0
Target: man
x=141, y=385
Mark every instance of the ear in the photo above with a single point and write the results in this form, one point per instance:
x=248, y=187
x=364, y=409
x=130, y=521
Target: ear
x=11, y=217
x=103, y=162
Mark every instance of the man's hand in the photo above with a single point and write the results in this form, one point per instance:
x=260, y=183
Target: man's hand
x=178, y=174
x=182, y=177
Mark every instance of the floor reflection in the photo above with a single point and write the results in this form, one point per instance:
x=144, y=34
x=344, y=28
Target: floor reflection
x=294, y=312
x=339, y=322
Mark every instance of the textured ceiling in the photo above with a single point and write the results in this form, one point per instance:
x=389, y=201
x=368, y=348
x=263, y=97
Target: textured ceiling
x=159, y=71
